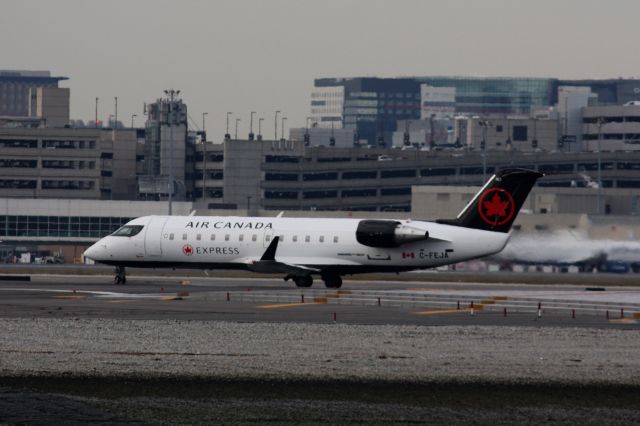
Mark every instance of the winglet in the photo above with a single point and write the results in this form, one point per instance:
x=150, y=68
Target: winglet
x=280, y=214
x=270, y=253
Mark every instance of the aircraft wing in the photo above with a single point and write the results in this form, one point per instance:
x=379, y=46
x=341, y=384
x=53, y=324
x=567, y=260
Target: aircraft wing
x=269, y=264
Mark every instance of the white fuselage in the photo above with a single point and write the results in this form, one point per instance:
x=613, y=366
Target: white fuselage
x=210, y=242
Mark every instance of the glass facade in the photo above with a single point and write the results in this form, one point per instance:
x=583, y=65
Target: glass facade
x=60, y=226
x=497, y=95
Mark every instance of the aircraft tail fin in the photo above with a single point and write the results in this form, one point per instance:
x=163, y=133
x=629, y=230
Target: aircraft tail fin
x=496, y=205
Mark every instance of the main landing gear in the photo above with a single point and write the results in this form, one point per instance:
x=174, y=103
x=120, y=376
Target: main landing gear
x=300, y=280
x=332, y=281
x=306, y=281
x=121, y=276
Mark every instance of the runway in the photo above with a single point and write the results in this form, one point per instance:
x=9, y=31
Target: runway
x=188, y=349
x=360, y=302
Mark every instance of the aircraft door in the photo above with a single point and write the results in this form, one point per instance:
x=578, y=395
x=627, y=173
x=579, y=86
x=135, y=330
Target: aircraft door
x=153, y=236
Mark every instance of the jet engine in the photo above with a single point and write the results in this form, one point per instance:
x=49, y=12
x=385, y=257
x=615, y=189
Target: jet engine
x=388, y=233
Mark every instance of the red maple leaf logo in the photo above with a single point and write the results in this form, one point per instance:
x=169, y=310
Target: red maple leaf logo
x=496, y=207
x=187, y=250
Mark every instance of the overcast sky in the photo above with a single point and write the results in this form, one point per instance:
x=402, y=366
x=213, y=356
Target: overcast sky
x=263, y=55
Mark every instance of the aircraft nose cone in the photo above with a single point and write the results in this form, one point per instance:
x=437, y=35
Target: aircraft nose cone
x=95, y=252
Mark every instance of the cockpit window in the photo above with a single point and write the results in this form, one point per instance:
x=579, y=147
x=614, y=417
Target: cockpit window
x=128, y=231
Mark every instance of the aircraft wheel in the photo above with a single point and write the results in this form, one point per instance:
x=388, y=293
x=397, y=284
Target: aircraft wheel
x=121, y=277
x=333, y=281
x=304, y=281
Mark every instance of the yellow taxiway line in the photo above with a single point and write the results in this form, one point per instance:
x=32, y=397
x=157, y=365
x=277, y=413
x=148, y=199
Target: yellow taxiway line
x=445, y=311
x=289, y=305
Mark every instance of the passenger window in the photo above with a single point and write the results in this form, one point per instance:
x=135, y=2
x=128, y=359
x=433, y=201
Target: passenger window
x=226, y=237
x=307, y=239
x=199, y=237
x=267, y=237
x=321, y=239
x=171, y=236
x=335, y=239
x=213, y=237
x=282, y=238
x=254, y=237
x=295, y=238
x=184, y=237
x=241, y=237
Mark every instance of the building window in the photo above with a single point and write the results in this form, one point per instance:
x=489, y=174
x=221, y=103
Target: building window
x=363, y=174
x=396, y=191
x=520, y=133
x=319, y=194
x=364, y=192
x=281, y=177
x=320, y=176
x=286, y=195
x=386, y=174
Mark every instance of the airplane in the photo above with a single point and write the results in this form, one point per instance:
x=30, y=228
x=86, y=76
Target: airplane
x=300, y=248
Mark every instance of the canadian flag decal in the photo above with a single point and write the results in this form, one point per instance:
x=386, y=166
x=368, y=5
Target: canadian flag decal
x=408, y=254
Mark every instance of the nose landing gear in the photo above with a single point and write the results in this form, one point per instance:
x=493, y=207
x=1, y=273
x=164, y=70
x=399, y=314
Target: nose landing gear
x=121, y=277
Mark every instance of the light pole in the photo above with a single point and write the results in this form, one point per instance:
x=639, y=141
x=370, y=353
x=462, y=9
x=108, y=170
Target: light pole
x=204, y=158
x=260, y=120
x=599, y=205
x=171, y=120
x=282, y=132
x=132, y=117
x=307, y=136
x=432, y=142
x=275, y=132
x=483, y=146
x=236, y=134
x=251, y=126
x=227, y=136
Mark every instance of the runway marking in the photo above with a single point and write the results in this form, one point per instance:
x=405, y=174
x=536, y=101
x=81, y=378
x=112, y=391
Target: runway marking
x=120, y=301
x=289, y=305
x=623, y=321
x=445, y=311
x=69, y=297
x=168, y=298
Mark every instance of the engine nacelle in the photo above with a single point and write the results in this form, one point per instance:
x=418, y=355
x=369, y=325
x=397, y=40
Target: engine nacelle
x=387, y=233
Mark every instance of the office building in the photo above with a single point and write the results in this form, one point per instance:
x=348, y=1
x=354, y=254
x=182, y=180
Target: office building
x=68, y=163
x=16, y=88
x=372, y=106
x=168, y=151
x=286, y=175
